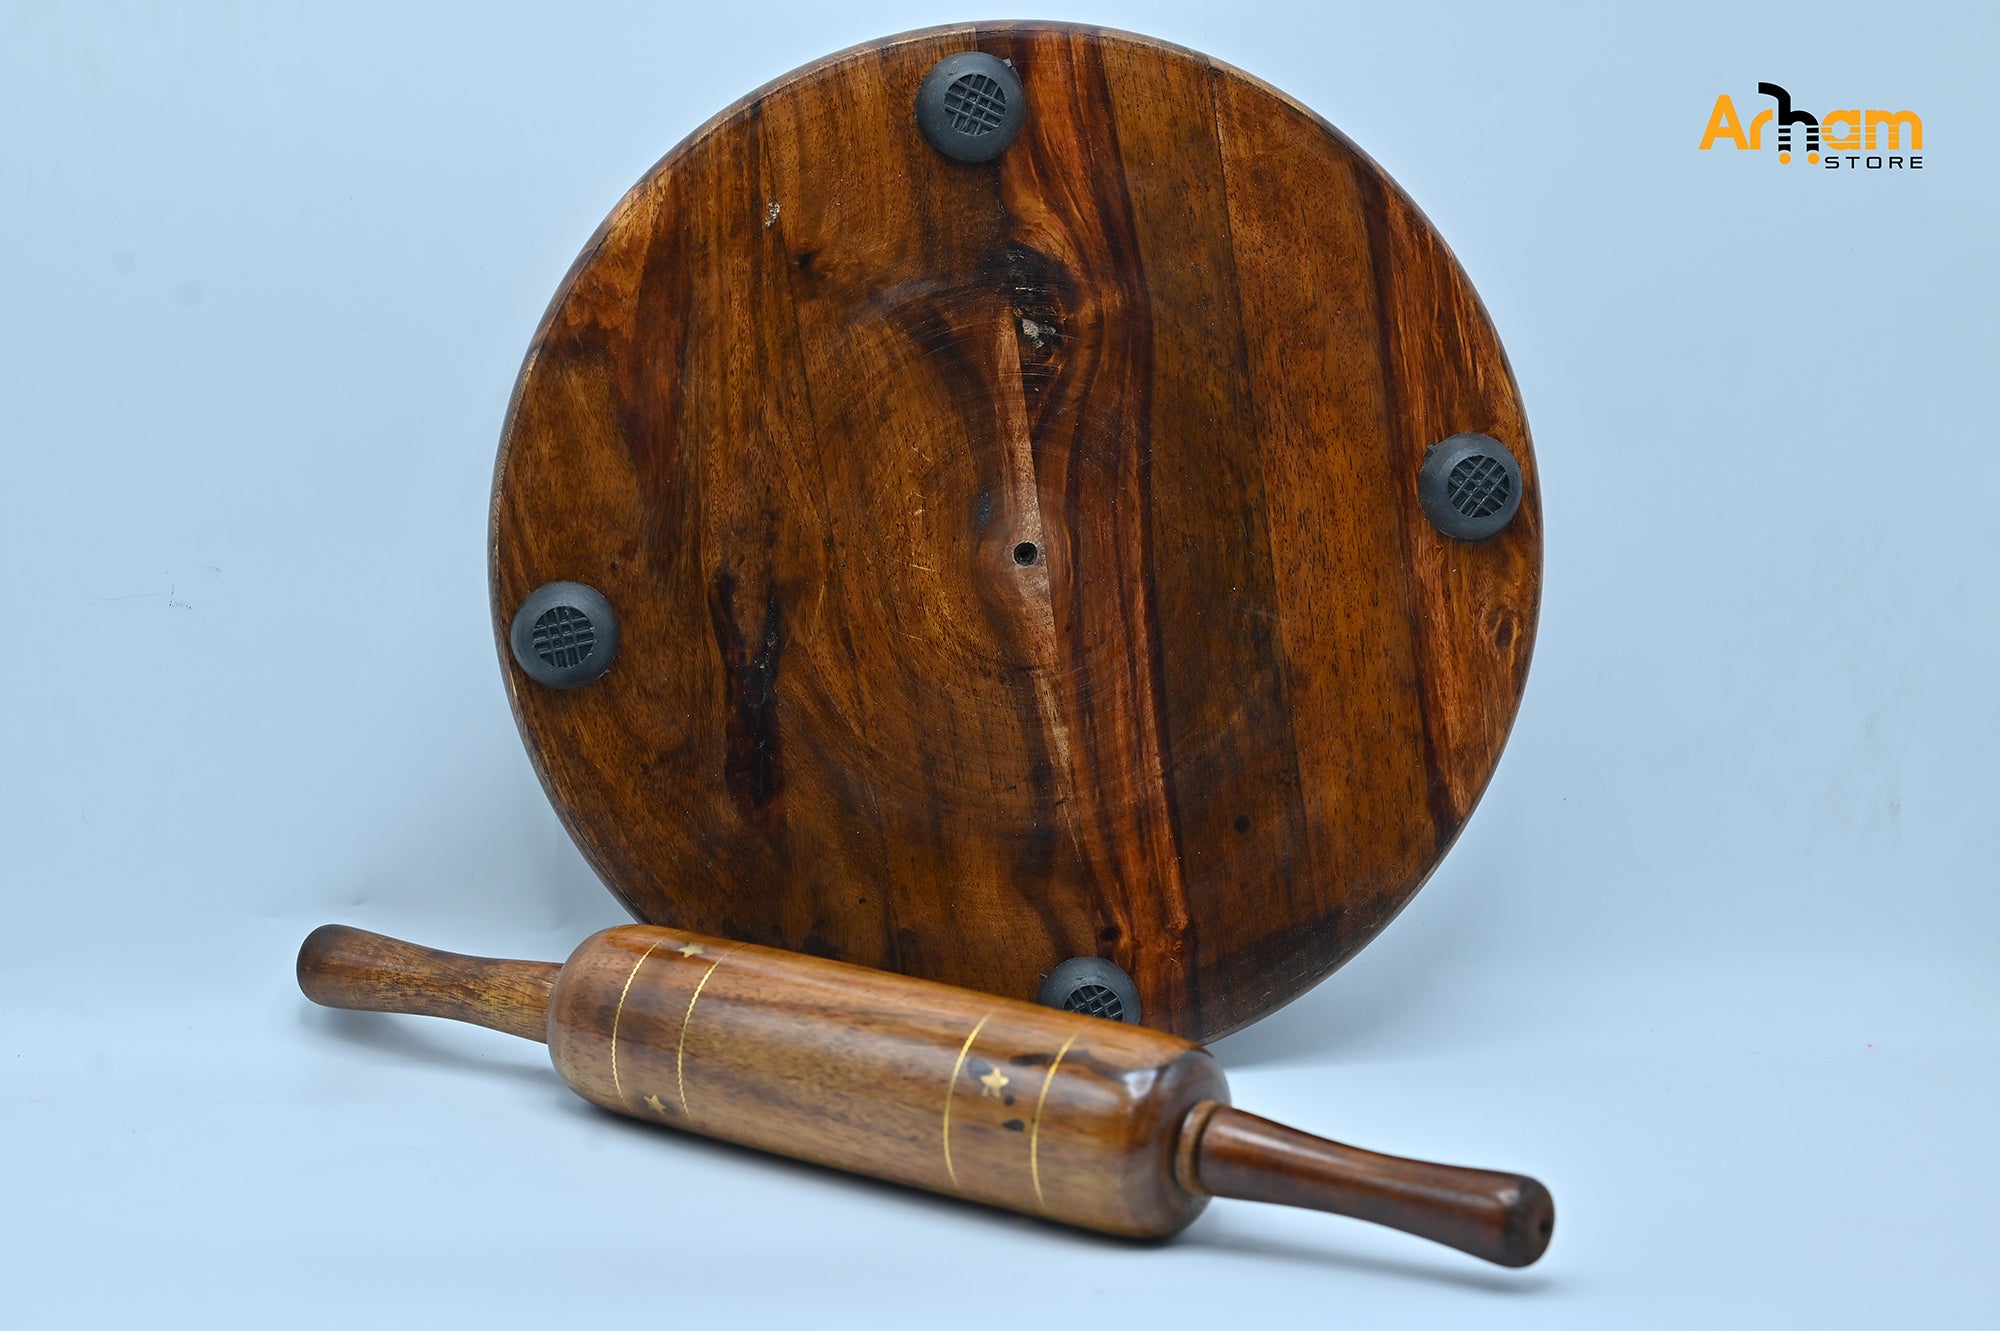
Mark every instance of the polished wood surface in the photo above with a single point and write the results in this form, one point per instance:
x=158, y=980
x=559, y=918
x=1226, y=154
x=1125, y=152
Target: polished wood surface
x=1094, y=1123
x=1505, y=1218
x=999, y=1101
x=352, y=968
x=1024, y=560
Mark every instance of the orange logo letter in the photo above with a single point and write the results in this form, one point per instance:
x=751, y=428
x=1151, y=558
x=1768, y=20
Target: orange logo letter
x=1723, y=124
x=1893, y=124
x=1839, y=141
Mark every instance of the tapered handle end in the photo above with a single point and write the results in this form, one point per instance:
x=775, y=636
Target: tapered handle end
x=1530, y=1223
x=1503, y=1218
x=353, y=968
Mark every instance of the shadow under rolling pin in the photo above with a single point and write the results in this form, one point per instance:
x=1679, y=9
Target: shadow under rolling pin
x=1107, y=1126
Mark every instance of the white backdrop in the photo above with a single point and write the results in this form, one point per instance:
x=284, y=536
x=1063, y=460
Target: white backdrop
x=1716, y=958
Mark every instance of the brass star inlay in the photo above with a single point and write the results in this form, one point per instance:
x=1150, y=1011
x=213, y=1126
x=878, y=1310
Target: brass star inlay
x=693, y=950
x=653, y=1103
x=992, y=1083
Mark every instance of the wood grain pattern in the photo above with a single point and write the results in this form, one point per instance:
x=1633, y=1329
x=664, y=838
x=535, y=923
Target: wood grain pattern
x=811, y=387
x=352, y=968
x=1000, y=1102
x=1504, y=1218
x=1094, y=1123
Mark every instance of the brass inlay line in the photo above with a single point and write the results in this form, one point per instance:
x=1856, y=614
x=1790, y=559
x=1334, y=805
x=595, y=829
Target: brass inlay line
x=680, y=1045
x=952, y=1086
x=1035, y=1131
x=616, y=1087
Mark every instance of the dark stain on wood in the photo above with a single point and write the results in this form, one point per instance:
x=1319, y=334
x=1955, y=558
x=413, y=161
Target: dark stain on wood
x=751, y=770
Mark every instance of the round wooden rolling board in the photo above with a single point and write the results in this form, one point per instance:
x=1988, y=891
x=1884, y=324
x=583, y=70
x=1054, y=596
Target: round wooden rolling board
x=1020, y=560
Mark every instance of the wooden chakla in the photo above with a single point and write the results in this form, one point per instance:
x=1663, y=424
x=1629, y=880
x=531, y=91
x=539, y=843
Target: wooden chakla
x=1094, y=1123
x=1121, y=548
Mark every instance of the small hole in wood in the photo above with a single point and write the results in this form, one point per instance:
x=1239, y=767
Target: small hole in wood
x=1026, y=553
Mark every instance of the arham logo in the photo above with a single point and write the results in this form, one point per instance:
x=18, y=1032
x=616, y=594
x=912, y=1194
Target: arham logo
x=1840, y=140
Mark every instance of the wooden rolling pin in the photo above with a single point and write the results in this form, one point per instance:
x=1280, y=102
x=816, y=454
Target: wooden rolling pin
x=1094, y=1123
